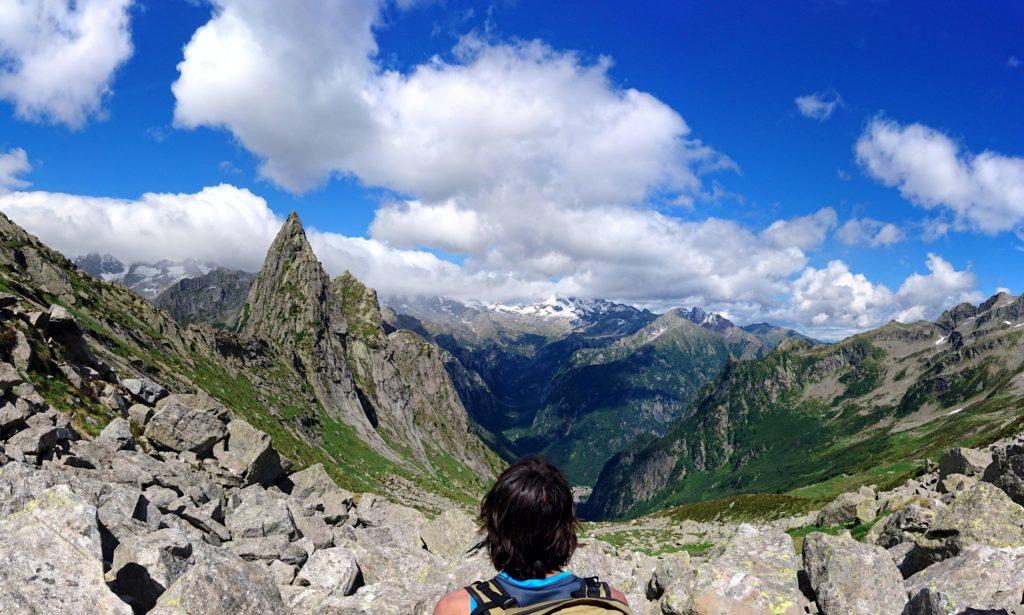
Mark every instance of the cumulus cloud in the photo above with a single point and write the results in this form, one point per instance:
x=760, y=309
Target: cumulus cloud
x=58, y=58
x=983, y=192
x=13, y=164
x=624, y=254
x=925, y=295
x=500, y=116
x=818, y=106
x=804, y=232
x=525, y=161
x=223, y=224
x=835, y=298
x=835, y=301
x=871, y=232
x=233, y=227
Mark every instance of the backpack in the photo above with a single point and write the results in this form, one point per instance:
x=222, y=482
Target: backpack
x=593, y=598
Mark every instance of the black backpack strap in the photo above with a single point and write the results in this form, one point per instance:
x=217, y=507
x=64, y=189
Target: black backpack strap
x=489, y=595
x=592, y=587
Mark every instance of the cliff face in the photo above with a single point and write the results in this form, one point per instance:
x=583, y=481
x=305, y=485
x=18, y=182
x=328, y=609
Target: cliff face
x=404, y=387
x=215, y=298
x=292, y=306
x=866, y=406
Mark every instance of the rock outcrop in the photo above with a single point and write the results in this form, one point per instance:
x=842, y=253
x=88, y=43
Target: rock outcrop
x=216, y=298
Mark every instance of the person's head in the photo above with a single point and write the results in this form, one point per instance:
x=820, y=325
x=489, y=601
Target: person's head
x=529, y=520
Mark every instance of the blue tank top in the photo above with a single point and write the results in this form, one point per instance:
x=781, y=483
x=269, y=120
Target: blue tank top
x=532, y=591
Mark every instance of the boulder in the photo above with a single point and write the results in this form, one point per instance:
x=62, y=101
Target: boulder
x=283, y=573
x=59, y=320
x=119, y=431
x=34, y=440
x=221, y=582
x=249, y=454
x=52, y=558
x=955, y=483
x=671, y=569
x=144, y=390
x=980, y=580
x=14, y=416
x=123, y=511
x=451, y=534
x=260, y=514
x=966, y=461
x=9, y=377
x=145, y=566
x=851, y=577
x=905, y=525
x=1007, y=471
x=338, y=507
x=754, y=572
x=629, y=573
x=177, y=427
x=982, y=515
x=140, y=414
x=332, y=569
x=198, y=401
x=312, y=481
x=312, y=526
x=846, y=509
x=269, y=548
x=21, y=353
x=404, y=523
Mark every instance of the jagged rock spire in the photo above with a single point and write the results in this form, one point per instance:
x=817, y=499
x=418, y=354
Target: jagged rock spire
x=290, y=302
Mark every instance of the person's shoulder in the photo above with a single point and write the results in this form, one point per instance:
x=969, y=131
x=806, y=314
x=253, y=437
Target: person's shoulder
x=455, y=603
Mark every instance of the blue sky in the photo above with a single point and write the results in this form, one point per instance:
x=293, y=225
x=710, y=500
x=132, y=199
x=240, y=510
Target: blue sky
x=925, y=87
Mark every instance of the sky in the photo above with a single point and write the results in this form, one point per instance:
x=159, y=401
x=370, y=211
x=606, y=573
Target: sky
x=828, y=166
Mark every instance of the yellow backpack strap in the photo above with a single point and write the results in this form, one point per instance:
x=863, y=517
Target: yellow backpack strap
x=590, y=606
x=491, y=598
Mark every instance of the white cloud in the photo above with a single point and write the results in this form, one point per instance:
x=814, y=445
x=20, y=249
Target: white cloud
x=835, y=302
x=805, y=232
x=868, y=231
x=501, y=116
x=625, y=254
x=58, y=58
x=12, y=164
x=834, y=298
x=925, y=296
x=234, y=227
x=1013, y=62
x=984, y=192
x=818, y=106
x=622, y=253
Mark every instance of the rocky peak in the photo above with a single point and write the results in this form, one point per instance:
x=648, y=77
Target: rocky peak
x=953, y=318
x=290, y=301
x=359, y=303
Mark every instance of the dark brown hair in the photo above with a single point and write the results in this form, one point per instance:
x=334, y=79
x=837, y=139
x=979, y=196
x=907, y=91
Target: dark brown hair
x=528, y=519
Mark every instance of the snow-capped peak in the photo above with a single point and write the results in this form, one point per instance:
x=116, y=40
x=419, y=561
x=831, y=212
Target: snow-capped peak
x=554, y=307
x=147, y=279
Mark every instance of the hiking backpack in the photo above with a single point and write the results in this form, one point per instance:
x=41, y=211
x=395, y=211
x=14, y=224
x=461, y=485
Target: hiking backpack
x=593, y=598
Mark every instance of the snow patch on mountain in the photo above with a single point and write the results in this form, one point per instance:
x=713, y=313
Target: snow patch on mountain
x=147, y=279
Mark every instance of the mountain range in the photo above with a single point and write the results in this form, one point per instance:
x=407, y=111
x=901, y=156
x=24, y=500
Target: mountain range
x=856, y=412
x=575, y=379
x=651, y=410
x=147, y=279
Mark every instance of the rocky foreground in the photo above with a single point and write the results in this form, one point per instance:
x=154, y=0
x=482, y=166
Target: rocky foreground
x=179, y=507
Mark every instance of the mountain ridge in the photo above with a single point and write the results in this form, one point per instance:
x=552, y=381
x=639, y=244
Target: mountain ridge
x=810, y=414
